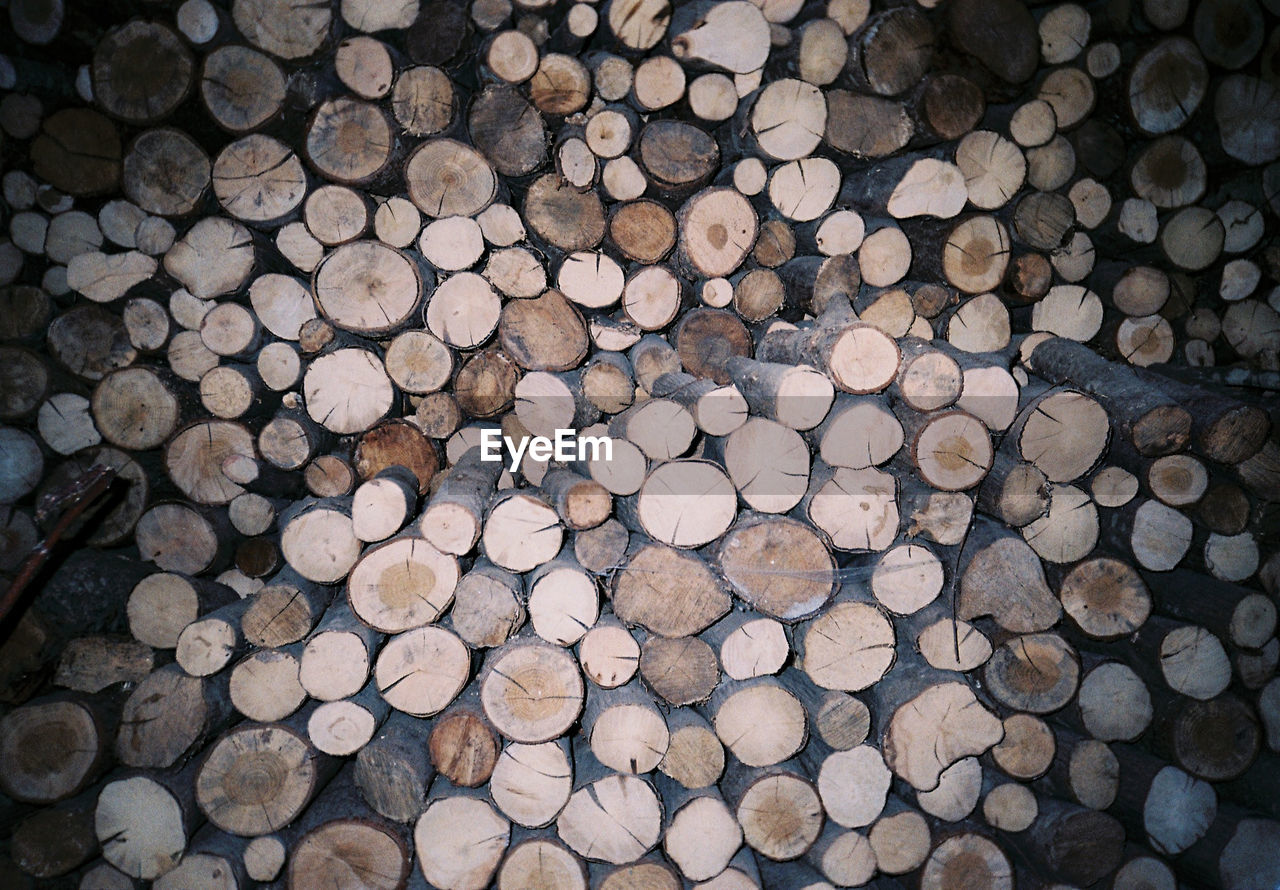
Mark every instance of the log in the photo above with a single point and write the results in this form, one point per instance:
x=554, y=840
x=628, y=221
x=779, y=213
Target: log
x=614, y=818
x=682, y=671
x=1155, y=423
x=779, y=811
x=948, y=644
x=169, y=714
x=666, y=509
x=393, y=771
x=1014, y=491
x=463, y=747
x=346, y=849
x=738, y=709
x=866, y=126
x=335, y=156
x=531, y=783
x=563, y=216
x=162, y=806
x=55, y=747
x=1076, y=844
x=422, y=670
x=366, y=287
x=1105, y=597
x=293, y=769
x=1063, y=434
x=488, y=605
x=1176, y=809
x=1003, y=38
x=1010, y=807
x=55, y=841
x=91, y=664
x=853, y=785
x=748, y=646
x=521, y=532
x=478, y=837
x=325, y=520
x=1085, y=771
x=1001, y=562
x=967, y=857
x=258, y=178
x=141, y=72
x=701, y=834
x=703, y=35
x=796, y=397
x=531, y=714
x=241, y=88
x=166, y=172
x=541, y=862
x=695, y=757
x=1216, y=740
x=178, y=537
x=1222, y=429
x=264, y=685
x=849, y=647
x=330, y=476
x=1230, y=611
x=1036, y=673
x=641, y=588
x=215, y=257
x=381, y=506
x=918, y=750
x=401, y=584
x=562, y=601
x=626, y=731
x=749, y=558
x=892, y=51
x=1027, y=749
x=843, y=856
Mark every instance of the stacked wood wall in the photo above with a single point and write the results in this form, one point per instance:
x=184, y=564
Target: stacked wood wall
x=938, y=343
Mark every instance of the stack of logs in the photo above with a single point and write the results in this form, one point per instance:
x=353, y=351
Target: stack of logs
x=936, y=344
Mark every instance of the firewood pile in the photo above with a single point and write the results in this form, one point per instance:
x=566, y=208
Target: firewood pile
x=772, y=444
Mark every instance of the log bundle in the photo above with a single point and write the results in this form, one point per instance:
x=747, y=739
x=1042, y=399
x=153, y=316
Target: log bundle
x=937, y=539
